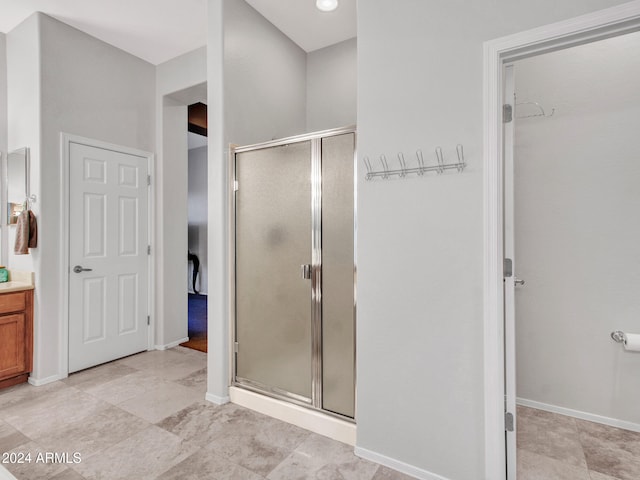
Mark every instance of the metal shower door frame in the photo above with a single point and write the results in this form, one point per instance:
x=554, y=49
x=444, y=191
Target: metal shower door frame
x=315, y=402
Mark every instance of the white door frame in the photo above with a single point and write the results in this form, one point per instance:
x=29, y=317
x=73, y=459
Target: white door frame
x=65, y=156
x=610, y=22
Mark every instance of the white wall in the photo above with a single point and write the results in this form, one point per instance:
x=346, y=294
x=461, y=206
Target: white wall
x=332, y=86
x=184, y=74
x=578, y=228
x=420, y=320
x=198, y=214
x=265, y=78
x=62, y=80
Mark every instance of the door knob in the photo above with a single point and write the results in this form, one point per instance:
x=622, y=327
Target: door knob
x=517, y=281
x=306, y=271
x=78, y=269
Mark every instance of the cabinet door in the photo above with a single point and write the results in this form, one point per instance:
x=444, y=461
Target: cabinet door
x=12, y=345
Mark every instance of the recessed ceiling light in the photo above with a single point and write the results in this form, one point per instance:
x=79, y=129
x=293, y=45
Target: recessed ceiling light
x=327, y=5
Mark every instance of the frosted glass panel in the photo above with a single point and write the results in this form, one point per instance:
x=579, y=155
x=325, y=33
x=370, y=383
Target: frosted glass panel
x=273, y=239
x=338, y=326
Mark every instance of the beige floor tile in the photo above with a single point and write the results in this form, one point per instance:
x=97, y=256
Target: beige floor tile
x=549, y=434
x=196, y=354
x=384, y=473
x=161, y=401
x=53, y=411
x=321, y=457
x=606, y=457
x=33, y=467
x=205, y=464
x=24, y=393
x=166, y=364
x=197, y=380
x=202, y=421
x=125, y=388
x=97, y=375
x=600, y=476
x=143, y=456
x=254, y=441
x=616, y=437
x=94, y=434
x=532, y=466
x=68, y=474
x=10, y=438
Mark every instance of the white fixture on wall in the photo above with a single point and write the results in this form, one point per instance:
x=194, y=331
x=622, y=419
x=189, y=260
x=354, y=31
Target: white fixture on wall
x=327, y=5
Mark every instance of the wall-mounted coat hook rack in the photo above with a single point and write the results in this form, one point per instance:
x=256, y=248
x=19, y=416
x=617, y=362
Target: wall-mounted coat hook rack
x=422, y=167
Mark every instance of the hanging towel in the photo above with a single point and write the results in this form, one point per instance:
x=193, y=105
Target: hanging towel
x=33, y=230
x=22, y=234
x=26, y=233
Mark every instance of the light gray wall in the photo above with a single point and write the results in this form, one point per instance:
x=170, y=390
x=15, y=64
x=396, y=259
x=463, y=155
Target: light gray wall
x=3, y=94
x=256, y=92
x=218, y=205
x=198, y=214
x=265, y=78
x=23, y=115
x=3, y=142
x=62, y=80
x=420, y=310
x=184, y=74
x=578, y=228
x=332, y=86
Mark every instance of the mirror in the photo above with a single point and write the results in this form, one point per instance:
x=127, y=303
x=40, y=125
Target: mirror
x=17, y=183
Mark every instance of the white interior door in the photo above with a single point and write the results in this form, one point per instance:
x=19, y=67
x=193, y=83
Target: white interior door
x=108, y=258
x=510, y=279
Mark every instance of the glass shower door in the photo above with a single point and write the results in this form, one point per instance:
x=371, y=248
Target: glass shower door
x=273, y=242
x=338, y=296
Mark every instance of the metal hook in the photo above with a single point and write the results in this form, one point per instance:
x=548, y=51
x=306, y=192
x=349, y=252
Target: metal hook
x=460, y=152
x=403, y=164
x=385, y=166
x=420, y=162
x=367, y=163
x=440, y=158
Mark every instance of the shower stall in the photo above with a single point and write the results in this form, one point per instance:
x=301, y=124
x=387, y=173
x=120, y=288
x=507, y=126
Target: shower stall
x=294, y=212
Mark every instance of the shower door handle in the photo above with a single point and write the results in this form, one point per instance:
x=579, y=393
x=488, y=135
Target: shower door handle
x=306, y=271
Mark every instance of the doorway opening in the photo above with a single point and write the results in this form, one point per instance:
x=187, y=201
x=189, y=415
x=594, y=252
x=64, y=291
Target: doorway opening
x=501, y=271
x=197, y=227
x=571, y=229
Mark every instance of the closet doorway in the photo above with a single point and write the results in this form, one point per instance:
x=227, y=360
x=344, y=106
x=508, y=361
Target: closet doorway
x=571, y=234
x=294, y=329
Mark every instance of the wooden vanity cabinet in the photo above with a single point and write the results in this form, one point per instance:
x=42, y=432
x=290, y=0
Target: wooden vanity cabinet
x=16, y=337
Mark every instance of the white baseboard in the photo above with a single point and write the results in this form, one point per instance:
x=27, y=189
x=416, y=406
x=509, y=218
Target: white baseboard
x=397, y=465
x=591, y=417
x=210, y=397
x=6, y=474
x=172, y=344
x=38, y=382
x=306, y=418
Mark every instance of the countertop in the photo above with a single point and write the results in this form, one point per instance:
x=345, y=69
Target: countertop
x=18, y=281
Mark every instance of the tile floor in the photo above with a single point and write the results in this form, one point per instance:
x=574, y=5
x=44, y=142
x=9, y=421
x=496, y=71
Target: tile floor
x=556, y=447
x=144, y=417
